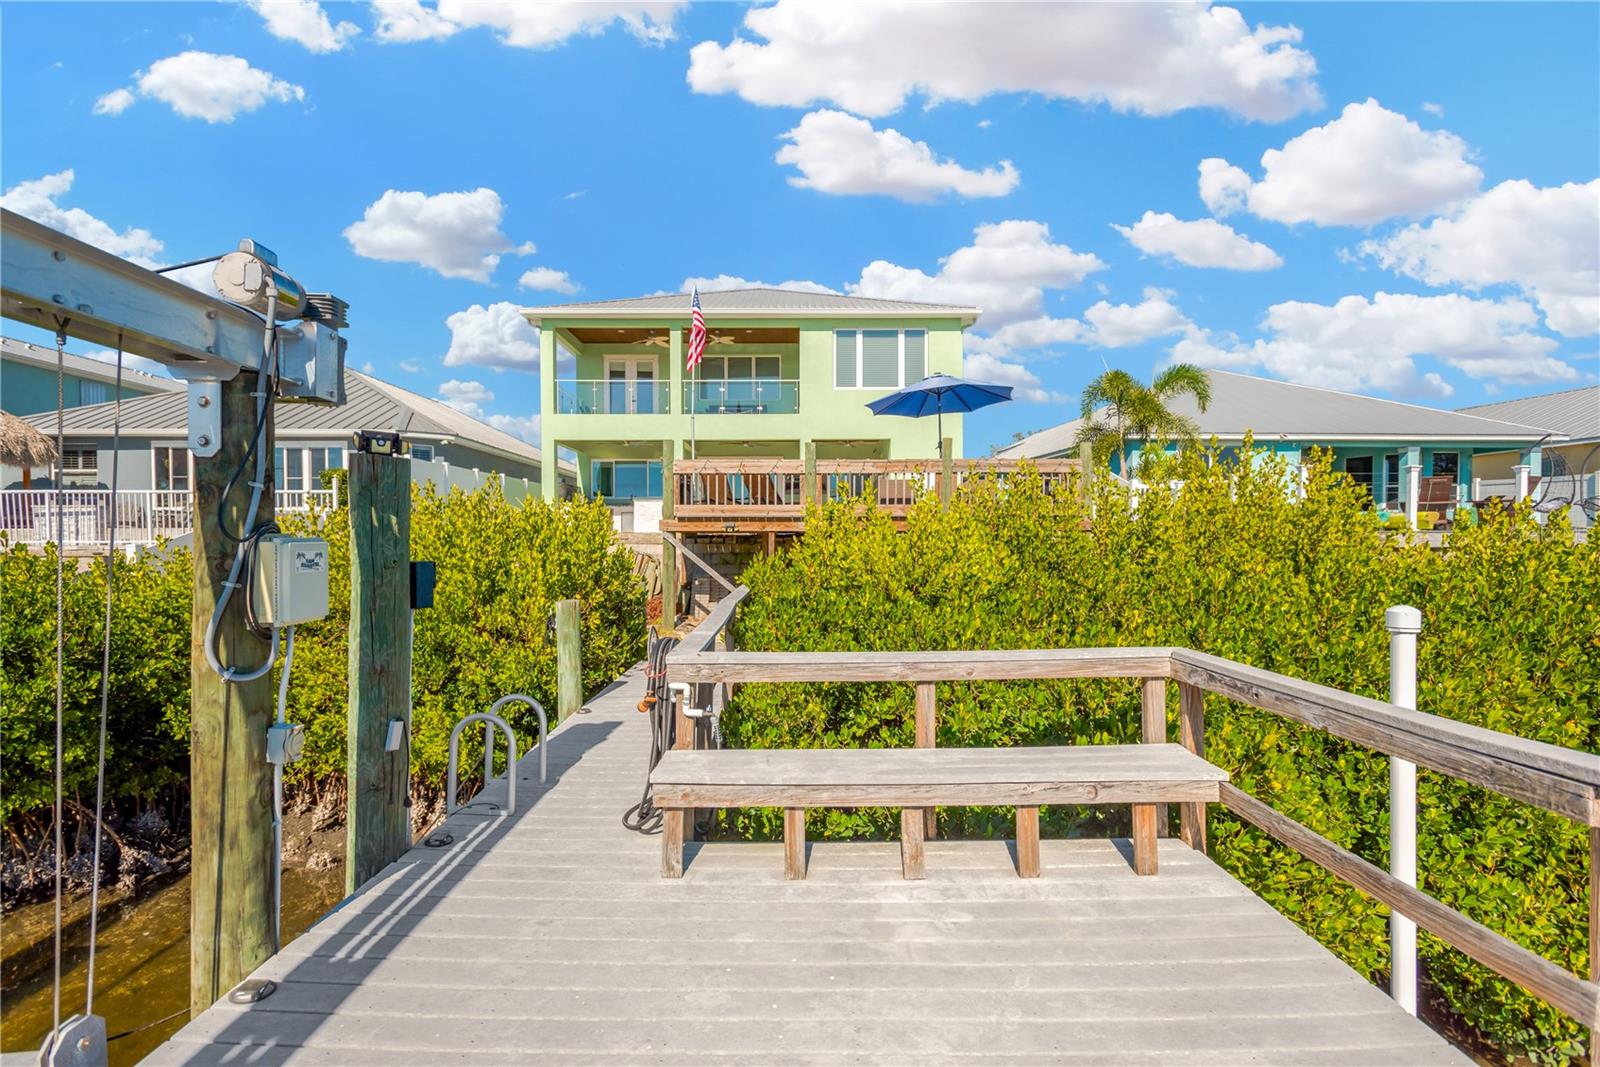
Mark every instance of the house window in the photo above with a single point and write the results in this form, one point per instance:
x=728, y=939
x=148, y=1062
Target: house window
x=1391, y=481
x=79, y=458
x=620, y=481
x=324, y=459
x=172, y=468
x=1359, y=468
x=422, y=452
x=879, y=359
x=93, y=392
x=1447, y=463
x=289, y=469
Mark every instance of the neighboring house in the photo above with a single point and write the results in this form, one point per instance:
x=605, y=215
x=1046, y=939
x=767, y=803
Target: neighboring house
x=1374, y=441
x=447, y=447
x=1574, y=413
x=783, y=369
x=28, y=379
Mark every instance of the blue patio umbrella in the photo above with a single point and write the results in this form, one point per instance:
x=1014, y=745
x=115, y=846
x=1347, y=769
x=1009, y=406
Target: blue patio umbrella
x=938, y=393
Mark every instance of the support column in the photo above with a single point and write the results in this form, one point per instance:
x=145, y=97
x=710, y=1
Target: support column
x=669, y=553
x=230, y=780
x=378, y=816
x=808, y=480
x=947, y=471
x=549, y=404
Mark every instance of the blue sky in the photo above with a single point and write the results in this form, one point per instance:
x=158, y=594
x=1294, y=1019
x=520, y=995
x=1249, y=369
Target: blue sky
x=1426, y=224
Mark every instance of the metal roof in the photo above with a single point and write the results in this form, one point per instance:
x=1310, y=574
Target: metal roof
x=752, y=303
x=1273, y=410
x=370, y=404
x=1574, y=412
x=98, y=370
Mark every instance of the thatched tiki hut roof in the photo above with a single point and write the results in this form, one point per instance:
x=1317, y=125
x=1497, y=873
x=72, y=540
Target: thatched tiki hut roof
x=23, y=446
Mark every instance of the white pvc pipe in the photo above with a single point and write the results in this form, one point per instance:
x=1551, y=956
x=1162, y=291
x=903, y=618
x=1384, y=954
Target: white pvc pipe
x=1403, y=624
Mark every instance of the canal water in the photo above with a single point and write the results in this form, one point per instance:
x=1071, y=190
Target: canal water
x=141, y=967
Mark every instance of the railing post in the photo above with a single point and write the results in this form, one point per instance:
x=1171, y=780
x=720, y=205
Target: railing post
x=1153, y=730
x=669, y=554
x=1403, y=624
x=569, y=660
x=928, y=737
x=1192, y=732
x=808, y=477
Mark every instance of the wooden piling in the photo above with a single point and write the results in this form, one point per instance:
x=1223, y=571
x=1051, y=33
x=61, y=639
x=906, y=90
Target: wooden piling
x=230, y=780
x=378, y=818
x=569, y=660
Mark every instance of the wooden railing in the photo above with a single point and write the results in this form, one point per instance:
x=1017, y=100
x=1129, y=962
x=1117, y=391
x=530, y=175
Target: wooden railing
x=1558, y=780
x=779, y=489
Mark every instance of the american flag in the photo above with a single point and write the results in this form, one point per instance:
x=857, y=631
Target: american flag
x=697, y=332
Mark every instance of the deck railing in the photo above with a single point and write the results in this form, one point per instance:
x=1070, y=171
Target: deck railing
x=1558, y=780
x=137, y=516
x=610, y=396
x=736, y=489
x=742, y=396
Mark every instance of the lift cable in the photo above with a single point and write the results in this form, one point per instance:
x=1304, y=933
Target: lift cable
x=60, y=494
x=105, y=688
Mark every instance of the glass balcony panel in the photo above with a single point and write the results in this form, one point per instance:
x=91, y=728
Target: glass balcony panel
x=743, y=396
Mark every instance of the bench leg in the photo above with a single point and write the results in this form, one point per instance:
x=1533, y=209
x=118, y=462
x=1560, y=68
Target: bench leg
x=794, y=844
x=1028, y=842
x=1144, y=839
x=1192, y=825
x=672, y=843
x=911, y=828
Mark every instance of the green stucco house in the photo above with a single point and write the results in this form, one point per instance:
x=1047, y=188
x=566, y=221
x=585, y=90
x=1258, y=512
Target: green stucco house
x=783, y=369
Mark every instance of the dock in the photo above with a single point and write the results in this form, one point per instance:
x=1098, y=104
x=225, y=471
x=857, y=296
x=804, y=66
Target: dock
x=548, y=935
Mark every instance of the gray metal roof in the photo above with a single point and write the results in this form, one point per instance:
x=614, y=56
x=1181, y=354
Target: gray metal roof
x=1272, y=410
x=13, y=350
x=751, y=303
x=370, y=404
x=1574, y=412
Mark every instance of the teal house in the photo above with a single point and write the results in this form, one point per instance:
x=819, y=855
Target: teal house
x=1397, y=450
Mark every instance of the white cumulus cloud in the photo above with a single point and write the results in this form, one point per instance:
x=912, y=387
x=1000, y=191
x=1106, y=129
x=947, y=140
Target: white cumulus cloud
x=456, y=234
x=525, y=427
x=730, y=281
x=523, y=23
x=467, y=397
x=1151, y=58
x=1005, y=271
x=1367, y=165
x=1546, y=241
x=202, y=85
x=547, y=280
x=841, y=154
x=115, y=102
x=1198, y=243
x=493, y=336
x=982, y=367
x=305, y=23
x=1122, y=325
x=37, y=199
x=1360, y=343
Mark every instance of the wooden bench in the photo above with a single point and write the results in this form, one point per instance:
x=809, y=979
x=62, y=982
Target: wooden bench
x=915, y=779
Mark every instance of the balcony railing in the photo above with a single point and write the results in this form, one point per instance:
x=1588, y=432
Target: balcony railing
x=601, y=396
x=742, y=396
x=775, y=491
x=137, y=516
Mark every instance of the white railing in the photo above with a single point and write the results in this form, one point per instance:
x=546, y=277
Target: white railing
x=137, y=516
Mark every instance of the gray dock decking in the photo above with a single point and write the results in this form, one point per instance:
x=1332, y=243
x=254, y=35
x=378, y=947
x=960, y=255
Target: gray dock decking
x=549, y=936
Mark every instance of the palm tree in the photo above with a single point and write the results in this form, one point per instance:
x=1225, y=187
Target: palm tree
x=1117, y=406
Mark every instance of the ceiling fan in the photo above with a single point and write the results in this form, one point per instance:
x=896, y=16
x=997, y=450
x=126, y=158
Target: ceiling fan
x=715, y=339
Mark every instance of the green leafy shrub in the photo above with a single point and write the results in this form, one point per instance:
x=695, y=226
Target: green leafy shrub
x=1228, y=564
x=501, y=568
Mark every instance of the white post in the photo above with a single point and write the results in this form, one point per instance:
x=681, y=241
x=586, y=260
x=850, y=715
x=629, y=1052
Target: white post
x=1403, y=624
x=1413, y=491
x=1522, y=470
x=1477, y=489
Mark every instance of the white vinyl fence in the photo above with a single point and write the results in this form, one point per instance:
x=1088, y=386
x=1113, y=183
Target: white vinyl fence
x=87, y=517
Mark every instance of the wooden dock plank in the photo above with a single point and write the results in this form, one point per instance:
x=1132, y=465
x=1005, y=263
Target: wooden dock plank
x=530, y=939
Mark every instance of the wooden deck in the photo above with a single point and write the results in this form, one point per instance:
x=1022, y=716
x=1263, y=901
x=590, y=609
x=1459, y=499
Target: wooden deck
x=549, y=936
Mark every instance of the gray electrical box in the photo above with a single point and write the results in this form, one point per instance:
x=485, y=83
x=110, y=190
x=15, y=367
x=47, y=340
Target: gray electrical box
x=290, y=580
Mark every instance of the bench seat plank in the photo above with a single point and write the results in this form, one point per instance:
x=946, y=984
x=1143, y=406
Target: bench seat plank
x=1072, y=774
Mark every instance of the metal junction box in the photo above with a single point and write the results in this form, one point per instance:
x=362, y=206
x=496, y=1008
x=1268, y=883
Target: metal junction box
x=290, y=580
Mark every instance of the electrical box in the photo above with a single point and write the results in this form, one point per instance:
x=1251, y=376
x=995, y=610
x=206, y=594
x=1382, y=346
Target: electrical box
x=286, y=742
x=290, y=580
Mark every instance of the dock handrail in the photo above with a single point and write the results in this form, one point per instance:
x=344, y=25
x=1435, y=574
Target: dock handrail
x=492, y=719
x=1558, y=780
